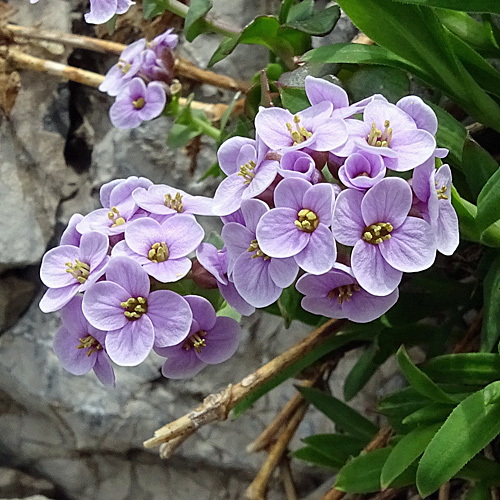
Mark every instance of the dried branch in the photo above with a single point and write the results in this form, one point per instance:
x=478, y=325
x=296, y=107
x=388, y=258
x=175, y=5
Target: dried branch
x=217, y=406
x=19, y=60
x=287, y=479
x=183, y=67
x=258, y=487
x=469, y=341
x=444, y=491
x=387, y=494
x=379, y=441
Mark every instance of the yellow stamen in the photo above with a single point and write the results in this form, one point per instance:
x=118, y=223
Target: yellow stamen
x=89, y=343
x=114, y=215
x=307, y=220
x=300, y=134
x=254, y=247
x=344, y=292
x=135, y=307
x=196, y=340
x=175, y=203
x=159, y=252
x=377, y=233
x=378, y=138
x=247, y=172
x=139, y=103
x=79, y=270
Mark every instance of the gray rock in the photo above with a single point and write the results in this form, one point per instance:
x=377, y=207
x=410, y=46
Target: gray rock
x=14, y=483
x=15, y=296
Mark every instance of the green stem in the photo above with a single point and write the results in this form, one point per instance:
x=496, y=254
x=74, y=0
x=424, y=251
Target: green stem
x=181, y=10
x=207, y=129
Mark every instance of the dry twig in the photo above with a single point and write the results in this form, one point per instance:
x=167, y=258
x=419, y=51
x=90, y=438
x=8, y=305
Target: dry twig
x=217, y=406
x=287, y=479
x=469, y=341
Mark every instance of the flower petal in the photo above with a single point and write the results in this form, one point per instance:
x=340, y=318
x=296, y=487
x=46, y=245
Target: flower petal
x=320, y=199
x=365, y=307
x=227, y=198
x=93, y=248
x=446, y=229
x=229, y=151
x=53, y=269
x=283, y=271
x=129, y=275
x=235, y=300
x=323, y=306
x=320, y=253
x=290, y=193
x=72, y=359
x=270, y=124
x=55, y=298
x=265, y=174
x=169, y=271
x=422, y=114
x=183, y=235
x=73, y=319
x=252, y=211
x=319, y=90
x=203, y=311
x=182, y=365
x=101, y=305
x=348, y=223
x=222, y=341
x=104, y=370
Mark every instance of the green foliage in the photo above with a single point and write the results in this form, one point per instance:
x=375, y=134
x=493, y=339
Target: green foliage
x=488, y=200
x=491, y=323
x=319, y=24
x=315, y=457
x=469, y=428
x=152, y=8
x=465, y=5
x=195, y=23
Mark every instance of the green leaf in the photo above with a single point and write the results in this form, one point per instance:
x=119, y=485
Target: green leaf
x=392, y=83
x=319, y=24
x=435, y=412
x=405, y=452
x=471, y=426
x=488, y=201
x=213, y=171
x=294, y=99
x=466, y=368
x=227, y=311
x=402, y=403
x=420, y=381
x=344, y=416
x=490, y=331
x=288, y=304
x=340, y=447
x=194, y=23
x=478, y=166
x=465, y=5
x=179, y=135
x=479, y=492
x=152, y=8
x=313, y=456
x=299, y=12
x=350, y=334
x=362, y=474
x=225, y=48
x=286, y=6
x=481, y=469
x=466, y=212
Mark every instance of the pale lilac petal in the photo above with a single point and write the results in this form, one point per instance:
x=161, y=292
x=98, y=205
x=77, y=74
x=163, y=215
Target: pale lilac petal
x=446, y=229
x=182, y=365
x=388, y=201
x=203, y=311
x=235, y=300
x=253, y=282
x=319, y=90
x=55, y=298
x=103, y=369
x=198, y=205
x=73, y=319
x=227, y=198
x=330, y=135
x=252, y=211
x=320, y=253
x=93, y=248
x=322, y=285
x=169, y=271
x=372, y=271
x=348, y=223
x=290, y=193
x=412, y=246
x=265, y=174
x=222, y=341
x=129, y=275
x=101, y=11
x=270, y=124
x=316, y=114
x=72, y=359
x=413, y=148
x=237, y=239
x=156, y=99
x=122, y=6
x=323, y=306
x=183, y=235
x=121, y=249
x=121, y=195
x=364, y=307
x=320, y=199
x=379, y=111
x=229, y=151
x=131, y=345
x=53, y=269
x=278, y=235
x=208, y=256
x=71, y=235
x=246, y=155
x=420, y=180
x=124, y=115
x=443, y=177
x=422, y=114
x=171, y=317
x=283, y=271
x=152, y=200
x=101, y=305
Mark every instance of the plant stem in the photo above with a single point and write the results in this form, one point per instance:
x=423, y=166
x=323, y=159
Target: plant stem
x=207, y=129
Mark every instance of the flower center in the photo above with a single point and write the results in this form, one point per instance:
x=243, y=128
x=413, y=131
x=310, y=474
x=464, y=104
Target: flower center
x=196, y=340
x=379, y=138
x=377, y=233
x=300, y=134
x=344, y=292
x=247, y=172
x=307, y=220
x=254, y=247
x=139, y=103
x=441, y=192
x=79, y=270
x=90, y=343
x=115, y=217
x=124, y=66
x=174, y=203
x=158, y=252
x=135, y=308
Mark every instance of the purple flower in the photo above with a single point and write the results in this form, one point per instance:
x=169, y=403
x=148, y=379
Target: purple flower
x=298, y=226
x=319, y=90
x=71, y=236
x=134, y=318
x=386, y=241
x=300, y=165
x=162, y=249
x=212, y=340
x=69, y=269
x=258, y=278
x=155, y=69
x=215, y=262
x=137, y=103
x=390, y=132
x=362, y=170
x=249, y=173
x=312, y=128
x=337, y=294
x=80, y=347
x=433, y=188
x=165, y=200
x=120, y=207
x=125, y=69
x=165, y=41
x=101, y=11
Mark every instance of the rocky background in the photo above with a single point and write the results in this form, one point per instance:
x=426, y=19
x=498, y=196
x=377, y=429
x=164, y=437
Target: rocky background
x=67, y=437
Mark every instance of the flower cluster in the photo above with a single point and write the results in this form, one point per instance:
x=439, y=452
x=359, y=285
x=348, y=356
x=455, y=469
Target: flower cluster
x=316, y=196
x=110, y=277
x=140, y=80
